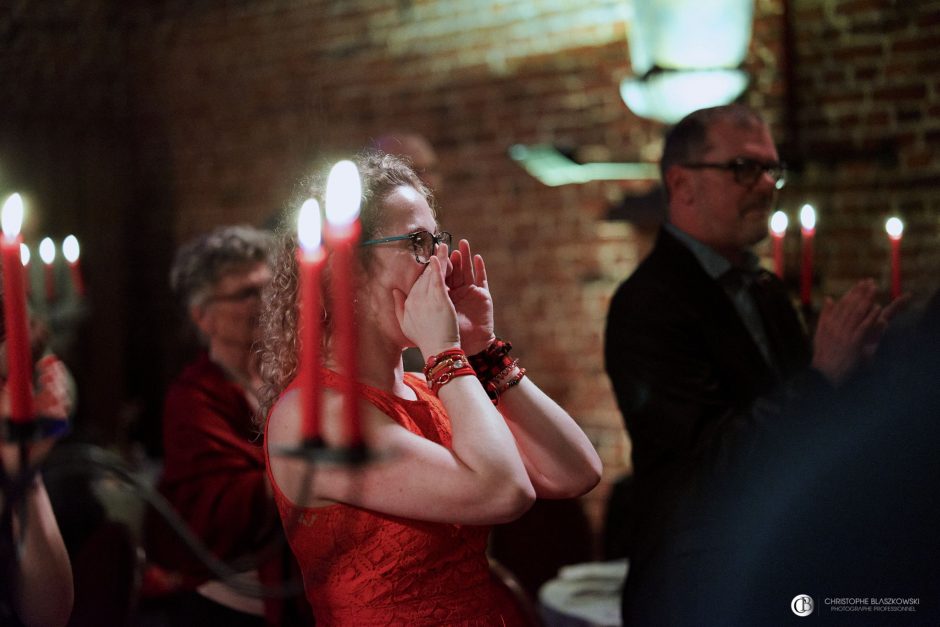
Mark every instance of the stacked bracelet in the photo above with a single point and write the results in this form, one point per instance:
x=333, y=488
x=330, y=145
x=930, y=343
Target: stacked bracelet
x=440, y=369
x=496, y=370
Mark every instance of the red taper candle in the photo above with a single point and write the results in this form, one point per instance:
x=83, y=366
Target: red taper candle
x=310, y=258
x=895, y=229
x=47, y=254
x=19, y=361
x=71, y=252
x=808, y=229
x=343, y=195
x=778, y=230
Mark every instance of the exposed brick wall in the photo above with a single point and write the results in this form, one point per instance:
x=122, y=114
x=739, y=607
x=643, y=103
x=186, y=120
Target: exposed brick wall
x=220, y=107
x=868, y=99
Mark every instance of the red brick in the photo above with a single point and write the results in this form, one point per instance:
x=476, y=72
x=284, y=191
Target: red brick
x=855, y=52
x=927, y=44
x=901, y=93
x=859, y=6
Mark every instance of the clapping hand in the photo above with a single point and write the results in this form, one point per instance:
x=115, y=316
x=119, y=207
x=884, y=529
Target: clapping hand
x=470, y=294
x=850, y=329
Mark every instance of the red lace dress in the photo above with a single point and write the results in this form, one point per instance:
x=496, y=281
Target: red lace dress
x=364, y=568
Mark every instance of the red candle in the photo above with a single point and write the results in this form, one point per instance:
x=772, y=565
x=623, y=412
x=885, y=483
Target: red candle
x=71, y=252
x=895, y=228
x=778, y=230
x=310, y=260
x=808, y=228
x=47, y=254
x=19, y=362
x=24, y=257
x=343, y=194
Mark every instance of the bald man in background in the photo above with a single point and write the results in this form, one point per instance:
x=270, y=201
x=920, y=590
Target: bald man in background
x=418, y=150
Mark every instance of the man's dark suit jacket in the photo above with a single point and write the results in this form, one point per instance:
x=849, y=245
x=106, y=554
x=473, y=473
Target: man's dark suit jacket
x=687, y=375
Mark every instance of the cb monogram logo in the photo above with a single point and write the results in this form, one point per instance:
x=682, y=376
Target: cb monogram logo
x=802, y=605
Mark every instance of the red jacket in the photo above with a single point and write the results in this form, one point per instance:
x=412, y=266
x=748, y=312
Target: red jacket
x=214, y=476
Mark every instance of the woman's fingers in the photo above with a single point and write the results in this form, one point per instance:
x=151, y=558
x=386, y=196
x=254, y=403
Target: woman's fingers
x=437, y=279
x=431, y=282
x=480, y=271
x=442, y=252
x=455, y=265
x=427, y=315
x=467, y=266
x=453, y=268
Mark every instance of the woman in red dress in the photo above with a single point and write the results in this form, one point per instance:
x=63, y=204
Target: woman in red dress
x=402, y=539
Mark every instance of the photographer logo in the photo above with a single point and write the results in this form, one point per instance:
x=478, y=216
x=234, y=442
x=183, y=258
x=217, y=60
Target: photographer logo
x=802, y=605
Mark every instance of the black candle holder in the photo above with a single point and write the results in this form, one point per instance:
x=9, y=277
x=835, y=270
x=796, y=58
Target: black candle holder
x=316, y=451
x=29, y=431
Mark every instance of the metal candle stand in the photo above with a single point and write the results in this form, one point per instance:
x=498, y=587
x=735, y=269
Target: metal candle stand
x=316, y=451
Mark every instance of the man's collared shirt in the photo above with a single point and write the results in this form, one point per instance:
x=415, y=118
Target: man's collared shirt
x=736, y=282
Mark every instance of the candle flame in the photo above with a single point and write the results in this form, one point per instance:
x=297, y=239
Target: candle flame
x=343, y=194
x=71, y=249
x=11, y=216
x=47, y=250
x=808, y=217
x=24, y=254
x=779, y=222
x=308, y=226
x=894, y=227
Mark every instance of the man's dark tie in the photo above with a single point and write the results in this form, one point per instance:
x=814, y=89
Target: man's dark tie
x=786, y=335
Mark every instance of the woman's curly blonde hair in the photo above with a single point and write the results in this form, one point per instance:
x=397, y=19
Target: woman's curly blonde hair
x=380, y=174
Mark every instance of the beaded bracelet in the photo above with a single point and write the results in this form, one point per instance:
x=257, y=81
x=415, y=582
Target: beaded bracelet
x=496, y=370
x=512, y=378
x=440, y=369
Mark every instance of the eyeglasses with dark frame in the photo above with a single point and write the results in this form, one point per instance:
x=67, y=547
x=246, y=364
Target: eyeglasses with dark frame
x=423, y=243
x=747, y=171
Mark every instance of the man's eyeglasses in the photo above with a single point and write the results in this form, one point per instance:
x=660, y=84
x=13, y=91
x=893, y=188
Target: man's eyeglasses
x=423, y=243
x=747, y=171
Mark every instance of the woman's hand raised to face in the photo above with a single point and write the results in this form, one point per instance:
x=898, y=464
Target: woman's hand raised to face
x=470, y=294
x=426, y=314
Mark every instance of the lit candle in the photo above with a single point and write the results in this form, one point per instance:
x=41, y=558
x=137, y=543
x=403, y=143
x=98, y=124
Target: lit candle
x=808, y=224
x=343, y=195
x=778, y=230
x=895, y=229
x=47, y=254
x=24, y=257
x=71, y=252
x=310, y=260
x=19, y=360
